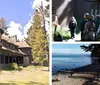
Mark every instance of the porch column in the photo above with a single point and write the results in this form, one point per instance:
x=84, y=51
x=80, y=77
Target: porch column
x=18, y=60
x=11, y=59
x=8, y=59
x=4, y=59
x=0, y=58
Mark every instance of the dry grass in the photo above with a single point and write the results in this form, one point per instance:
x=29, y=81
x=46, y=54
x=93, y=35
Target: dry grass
x=28, y=76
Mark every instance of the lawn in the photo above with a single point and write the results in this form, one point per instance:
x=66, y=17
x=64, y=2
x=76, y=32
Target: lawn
x=28, y=76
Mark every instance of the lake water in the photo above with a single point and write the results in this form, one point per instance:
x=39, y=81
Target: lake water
x=69, y=61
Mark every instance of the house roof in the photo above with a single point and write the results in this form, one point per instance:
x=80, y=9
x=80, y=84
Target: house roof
x=23, y=44
x=11, y=51
x=20, y=44
x=7, y=39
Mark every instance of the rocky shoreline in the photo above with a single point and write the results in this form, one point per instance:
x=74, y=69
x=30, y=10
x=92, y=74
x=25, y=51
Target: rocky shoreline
x=87, y=75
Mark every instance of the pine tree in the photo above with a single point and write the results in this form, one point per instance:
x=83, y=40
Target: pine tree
x=93, y=48
x=37, y=40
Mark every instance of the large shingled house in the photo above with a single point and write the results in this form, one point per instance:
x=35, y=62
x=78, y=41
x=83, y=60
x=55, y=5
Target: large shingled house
x=13, y=51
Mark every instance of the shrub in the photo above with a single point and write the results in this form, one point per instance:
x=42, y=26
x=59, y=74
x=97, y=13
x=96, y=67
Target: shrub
x=36, y=64
x=66, y=35
x=13, y=66
x=20, y=67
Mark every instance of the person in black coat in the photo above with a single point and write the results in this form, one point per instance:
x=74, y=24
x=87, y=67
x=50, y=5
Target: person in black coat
x=97, y=23
x=72, y=26
x=86, y=15
x=57, y=36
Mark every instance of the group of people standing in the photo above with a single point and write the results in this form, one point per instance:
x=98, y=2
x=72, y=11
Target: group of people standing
x=90, y=27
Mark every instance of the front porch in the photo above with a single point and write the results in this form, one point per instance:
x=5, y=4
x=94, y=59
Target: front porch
x=8, y=56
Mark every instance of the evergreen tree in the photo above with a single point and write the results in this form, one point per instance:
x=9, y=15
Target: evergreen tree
x=37, y=40
x=3, y=24
x=93, y=48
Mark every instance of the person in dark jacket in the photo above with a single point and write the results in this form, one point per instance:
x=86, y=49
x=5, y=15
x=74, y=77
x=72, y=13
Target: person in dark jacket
x=72, y=26
x=89, y=29
x=97, y=23
x=57, y=36
x=86, y=15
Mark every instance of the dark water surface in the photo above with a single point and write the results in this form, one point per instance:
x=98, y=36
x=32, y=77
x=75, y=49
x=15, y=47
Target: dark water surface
x=69, y=61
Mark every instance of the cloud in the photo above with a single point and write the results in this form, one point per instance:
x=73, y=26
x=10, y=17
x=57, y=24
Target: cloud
x=35, y=3
x=21, y=32
x=30, y=14
x=18, y=29
x=26, y=27
x=15, y=29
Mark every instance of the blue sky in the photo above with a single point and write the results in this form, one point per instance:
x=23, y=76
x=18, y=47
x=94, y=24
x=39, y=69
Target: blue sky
x=67, y=48
x=16, y=10
x=18, y=15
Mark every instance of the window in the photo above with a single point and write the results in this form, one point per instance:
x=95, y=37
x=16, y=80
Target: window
x=91, y=11
x=6, y=60
x=28, y=51
x=95, y=9
x=17, y=60
x=96, y=12
x=2, y=59
x=14, y=59
x=21, y=60
x=10, y=59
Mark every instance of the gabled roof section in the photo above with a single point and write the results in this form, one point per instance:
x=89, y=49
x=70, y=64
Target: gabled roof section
x=23, y=44
x=7, y=39
x=20, y=44
x=4, y=49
